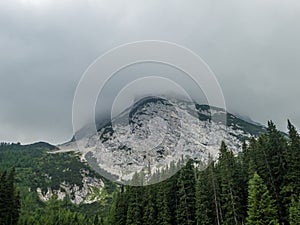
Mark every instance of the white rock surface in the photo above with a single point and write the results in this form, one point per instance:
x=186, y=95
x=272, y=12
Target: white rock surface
x=88, y=193
x=158, y=134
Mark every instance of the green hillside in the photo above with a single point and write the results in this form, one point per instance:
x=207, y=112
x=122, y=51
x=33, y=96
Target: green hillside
x=36, y=168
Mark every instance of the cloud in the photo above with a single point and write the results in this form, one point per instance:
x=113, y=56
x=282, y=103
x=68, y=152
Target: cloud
x=252, y=46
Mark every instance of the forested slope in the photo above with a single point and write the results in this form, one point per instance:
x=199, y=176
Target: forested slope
x=259, y=185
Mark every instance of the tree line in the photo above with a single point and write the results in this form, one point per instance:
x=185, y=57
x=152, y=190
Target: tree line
x=259, y=185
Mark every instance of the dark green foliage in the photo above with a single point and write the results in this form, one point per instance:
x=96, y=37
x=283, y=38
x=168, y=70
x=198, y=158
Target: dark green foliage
x=135, y=207
x=292, y=176
x=56, y=212
x=261, y=206
x=9, y=199
x=150, y=211
x=33, y=163
x=270, y=151
x=206, y=194
x=163, y=207
x=230, y=182
x=294, y=212
x=118, y=208
x=185, y=212
x=166, y=201
x=217, y=194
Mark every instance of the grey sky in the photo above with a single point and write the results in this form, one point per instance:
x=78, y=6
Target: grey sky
x=45, y=46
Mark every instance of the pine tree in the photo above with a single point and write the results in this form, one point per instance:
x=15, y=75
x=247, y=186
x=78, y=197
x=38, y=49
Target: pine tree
x=249, y=159
x=212, y=176
x=294, y=212
x=3, y=195
x=244, y=164
x=121, y=208
x=229, y=181
x=12, y=198
x=271, y=165
x=166, y=200
x=261, y=206
x=118, y=208
x=16, y=208
x=150, y=211
x=163, y=203
x=9, y=199
x=134, y=211
x=292, y=177
x=185, y=213
x=204, y=198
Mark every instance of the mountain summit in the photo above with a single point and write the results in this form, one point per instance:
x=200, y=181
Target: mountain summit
x=157, y=135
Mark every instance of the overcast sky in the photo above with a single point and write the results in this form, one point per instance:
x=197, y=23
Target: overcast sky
x=45, y=46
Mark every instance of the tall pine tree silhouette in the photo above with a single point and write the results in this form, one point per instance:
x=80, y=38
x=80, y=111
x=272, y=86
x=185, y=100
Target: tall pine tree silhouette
x=261, y=206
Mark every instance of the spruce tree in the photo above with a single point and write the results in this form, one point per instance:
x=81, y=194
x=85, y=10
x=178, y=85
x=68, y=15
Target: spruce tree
x=150, y=211
x=230, y=185
x=294, y=212
x=261, y=206
x=118, y=208
x=9, y=199
x=122, y=207
x=292, y=177
x=271, y=165
x=216, y=190
x=134, y=210
x=204, y=198
x=163, y=203
x=185, y=213
x=3, y=197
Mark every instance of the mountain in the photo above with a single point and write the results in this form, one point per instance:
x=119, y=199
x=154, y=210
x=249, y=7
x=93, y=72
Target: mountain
x=175, y=129
x=145, y=144
x=157, y=133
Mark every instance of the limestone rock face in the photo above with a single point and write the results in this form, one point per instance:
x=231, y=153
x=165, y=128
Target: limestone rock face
x=88, y=192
